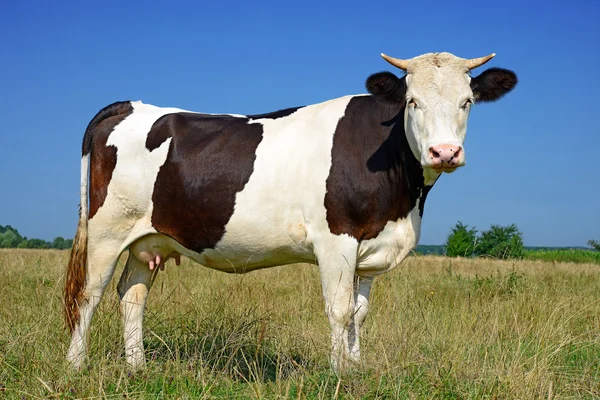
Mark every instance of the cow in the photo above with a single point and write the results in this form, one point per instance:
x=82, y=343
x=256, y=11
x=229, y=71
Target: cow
x=340, y=184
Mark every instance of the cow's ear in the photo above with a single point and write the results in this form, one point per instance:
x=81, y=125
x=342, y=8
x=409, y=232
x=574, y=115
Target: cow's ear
x=492, y=84
x=387, y=87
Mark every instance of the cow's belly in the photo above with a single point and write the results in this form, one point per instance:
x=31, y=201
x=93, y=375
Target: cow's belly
x=245, y=261
x=390, y=247
x=240, y=257
x=267, y=236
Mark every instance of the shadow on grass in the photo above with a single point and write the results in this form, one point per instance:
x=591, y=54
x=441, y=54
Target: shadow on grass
x=238, y=347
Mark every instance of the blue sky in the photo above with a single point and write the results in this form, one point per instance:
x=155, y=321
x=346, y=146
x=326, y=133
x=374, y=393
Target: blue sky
x=531, y=157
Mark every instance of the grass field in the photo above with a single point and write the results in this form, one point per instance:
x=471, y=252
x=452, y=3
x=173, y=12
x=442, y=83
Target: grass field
x=438, y=328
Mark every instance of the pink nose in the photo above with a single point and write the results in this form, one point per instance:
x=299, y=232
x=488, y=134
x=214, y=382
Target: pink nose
x=446, y=156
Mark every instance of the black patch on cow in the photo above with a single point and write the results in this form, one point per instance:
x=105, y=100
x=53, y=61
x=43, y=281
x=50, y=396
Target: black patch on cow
x=374, y=176
x=210, y=160
x=387, y=87
x=156, y=137
x=424, y=194
x=492, y=84
x=276, y=114
x=103, y=158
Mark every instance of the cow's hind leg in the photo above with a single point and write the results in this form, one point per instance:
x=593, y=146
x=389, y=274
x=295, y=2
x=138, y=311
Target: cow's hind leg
x=102, y=259
x=362, y=290
x=337, y=263
x=134, y=285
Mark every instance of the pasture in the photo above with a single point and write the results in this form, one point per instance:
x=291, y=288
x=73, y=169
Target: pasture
x=438, y=328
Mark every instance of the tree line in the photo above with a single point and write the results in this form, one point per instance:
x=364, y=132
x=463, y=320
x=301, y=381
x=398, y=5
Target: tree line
x=10, y=238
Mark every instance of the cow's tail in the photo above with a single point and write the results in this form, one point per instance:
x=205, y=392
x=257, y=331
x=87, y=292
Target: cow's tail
x=75, y=279
x=76, y=269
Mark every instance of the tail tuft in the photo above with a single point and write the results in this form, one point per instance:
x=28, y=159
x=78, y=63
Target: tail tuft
x=75, y=279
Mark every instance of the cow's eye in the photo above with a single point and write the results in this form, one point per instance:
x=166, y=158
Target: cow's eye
x=466, y=104
x=412, y=103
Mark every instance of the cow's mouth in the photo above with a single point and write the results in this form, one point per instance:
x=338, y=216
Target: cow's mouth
x=440, y=169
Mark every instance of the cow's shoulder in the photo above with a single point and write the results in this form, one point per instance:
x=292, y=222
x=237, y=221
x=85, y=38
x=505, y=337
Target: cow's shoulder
x=374, y=177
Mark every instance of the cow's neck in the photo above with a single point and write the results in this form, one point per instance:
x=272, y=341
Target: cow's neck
x=411, y=175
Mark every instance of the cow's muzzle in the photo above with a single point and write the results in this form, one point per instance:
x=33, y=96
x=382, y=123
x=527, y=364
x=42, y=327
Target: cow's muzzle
x=446, y=157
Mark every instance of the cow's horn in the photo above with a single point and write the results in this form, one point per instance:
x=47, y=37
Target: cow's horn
x=396, y=62
x=477, y=62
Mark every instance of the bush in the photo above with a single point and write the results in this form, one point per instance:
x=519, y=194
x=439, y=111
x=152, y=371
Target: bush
x=461, y=241
x=501, y=242
x=594, y=244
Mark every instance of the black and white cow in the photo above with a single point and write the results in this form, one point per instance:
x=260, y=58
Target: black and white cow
x=340, y=184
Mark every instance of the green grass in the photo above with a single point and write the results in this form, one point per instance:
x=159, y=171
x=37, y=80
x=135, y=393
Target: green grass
x=564, y=255
x=438, y=328
x=576, y=255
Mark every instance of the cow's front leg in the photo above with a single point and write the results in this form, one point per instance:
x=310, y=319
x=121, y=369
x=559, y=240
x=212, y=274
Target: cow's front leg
x=134, y=285
x=337, y=262
x=362, y=290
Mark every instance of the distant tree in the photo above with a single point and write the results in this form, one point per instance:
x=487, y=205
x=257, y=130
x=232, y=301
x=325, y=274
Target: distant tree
x=428, y=249
x=461, y=241
x=38, y=244
x=502, y=242
x=60, y=243
x=7, y=228
x=9, y=237
x=594, y=244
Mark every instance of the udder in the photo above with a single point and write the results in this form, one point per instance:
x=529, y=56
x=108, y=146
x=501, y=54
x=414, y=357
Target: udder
x=154, y=250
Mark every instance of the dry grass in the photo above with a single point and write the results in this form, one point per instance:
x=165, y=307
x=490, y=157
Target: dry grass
x=438, y=328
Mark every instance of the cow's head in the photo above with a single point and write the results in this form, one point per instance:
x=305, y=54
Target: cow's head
x=437, y=93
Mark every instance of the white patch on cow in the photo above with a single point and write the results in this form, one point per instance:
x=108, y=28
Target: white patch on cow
x=83, y=190
x=281, y=212
x=391, y=246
